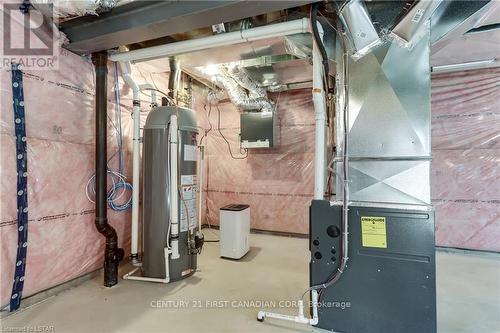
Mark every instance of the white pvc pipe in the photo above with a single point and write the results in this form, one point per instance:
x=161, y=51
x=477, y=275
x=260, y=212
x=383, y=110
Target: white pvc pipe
x=127, y=77
x=149, y=87
x=130, y=275
x=200, y=186
x=230, y=38
x=318, y=95
x=174, y=194
x=300, y=318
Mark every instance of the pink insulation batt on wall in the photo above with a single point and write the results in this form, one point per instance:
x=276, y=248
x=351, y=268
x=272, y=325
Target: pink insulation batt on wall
x=277, y=182
x=465, y=179
x=465, y=175
x=63, y=242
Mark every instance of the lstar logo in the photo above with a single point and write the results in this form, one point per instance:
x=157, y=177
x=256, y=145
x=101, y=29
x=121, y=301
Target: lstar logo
x=28, y=36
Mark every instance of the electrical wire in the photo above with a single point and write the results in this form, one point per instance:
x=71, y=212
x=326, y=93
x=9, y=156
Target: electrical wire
x=321, y=46
x=205, y=134
x=245, y=154
x=118, y=181
x=120, y=185
x=334, y=277
x=170, y=99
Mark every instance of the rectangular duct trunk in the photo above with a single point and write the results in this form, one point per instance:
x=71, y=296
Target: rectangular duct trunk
x=389, y=125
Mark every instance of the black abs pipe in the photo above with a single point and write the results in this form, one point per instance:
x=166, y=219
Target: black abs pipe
x=112, y=254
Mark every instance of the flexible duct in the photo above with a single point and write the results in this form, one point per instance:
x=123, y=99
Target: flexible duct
x=243, y=91
x=407, y=32
x=241, y=76
x=64, y=9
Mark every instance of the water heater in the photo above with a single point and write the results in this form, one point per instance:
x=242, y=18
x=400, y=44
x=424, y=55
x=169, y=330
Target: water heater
x=171, y=239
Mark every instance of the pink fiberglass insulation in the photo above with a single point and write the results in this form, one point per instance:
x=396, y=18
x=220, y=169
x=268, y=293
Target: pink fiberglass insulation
x=465, y=180
x=278, y=182
x=63, y=242
x=465, y=174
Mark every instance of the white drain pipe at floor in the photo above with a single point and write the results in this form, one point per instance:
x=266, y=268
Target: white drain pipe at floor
x=300, y=318
x=130, y=275
x=319, y=103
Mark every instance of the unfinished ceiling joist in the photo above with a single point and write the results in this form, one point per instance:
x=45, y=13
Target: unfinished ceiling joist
x=139, y=21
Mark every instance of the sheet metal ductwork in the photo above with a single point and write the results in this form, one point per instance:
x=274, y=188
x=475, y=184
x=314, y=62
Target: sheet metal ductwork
x=243, y=91
x=406, y=32
x=174, y=77
x=383, y=155
x=362, y=33
x=393, y=165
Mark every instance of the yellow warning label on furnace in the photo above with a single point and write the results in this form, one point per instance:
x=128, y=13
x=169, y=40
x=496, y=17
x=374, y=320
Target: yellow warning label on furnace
x=373, y=232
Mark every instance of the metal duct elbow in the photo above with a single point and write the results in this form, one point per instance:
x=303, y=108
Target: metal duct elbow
x=407, y=31
x=362, y=34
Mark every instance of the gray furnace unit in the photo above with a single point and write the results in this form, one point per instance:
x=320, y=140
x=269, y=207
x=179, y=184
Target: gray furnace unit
x=158, y=234
x=389, y=281
x=389, y=284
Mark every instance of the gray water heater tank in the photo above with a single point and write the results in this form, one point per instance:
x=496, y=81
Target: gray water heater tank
x=156, y=191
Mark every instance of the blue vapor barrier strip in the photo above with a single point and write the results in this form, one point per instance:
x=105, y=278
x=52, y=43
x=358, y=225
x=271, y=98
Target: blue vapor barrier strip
x=22, y=184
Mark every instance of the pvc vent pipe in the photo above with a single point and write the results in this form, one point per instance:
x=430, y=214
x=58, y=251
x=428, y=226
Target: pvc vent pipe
x=215, y=41
x=127, y=77
x=174, y=194
x=318, y=96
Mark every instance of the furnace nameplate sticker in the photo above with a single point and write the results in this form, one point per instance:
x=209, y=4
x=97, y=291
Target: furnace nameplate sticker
x=373, y=232
x=190, y=153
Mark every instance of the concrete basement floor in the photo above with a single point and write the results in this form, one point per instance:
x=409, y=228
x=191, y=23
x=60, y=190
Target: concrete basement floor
x=276, y=269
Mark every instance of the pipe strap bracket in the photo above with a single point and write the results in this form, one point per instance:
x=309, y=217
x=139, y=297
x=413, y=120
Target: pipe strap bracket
x=22, y=186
